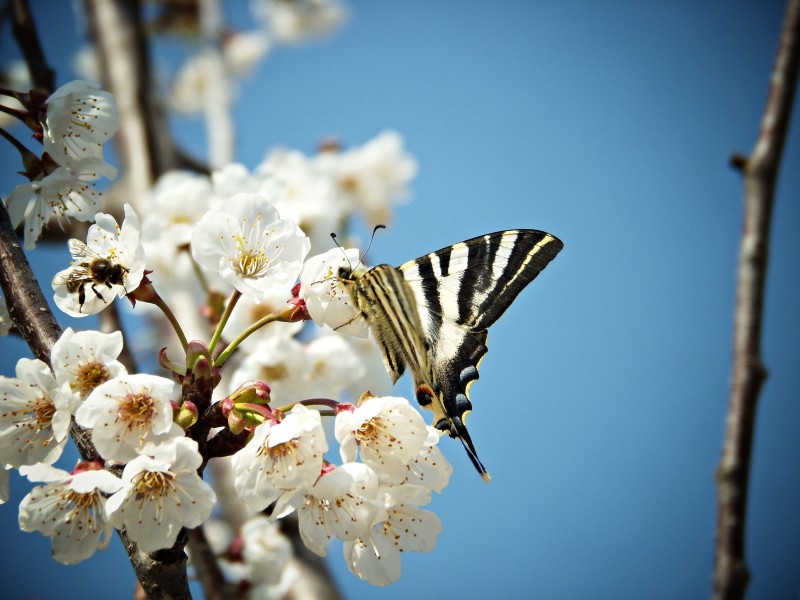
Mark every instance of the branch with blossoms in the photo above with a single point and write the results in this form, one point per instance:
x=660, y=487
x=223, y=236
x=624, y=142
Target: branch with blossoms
x=257, y=343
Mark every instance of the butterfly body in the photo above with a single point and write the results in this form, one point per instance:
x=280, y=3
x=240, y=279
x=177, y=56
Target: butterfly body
x=431, y=315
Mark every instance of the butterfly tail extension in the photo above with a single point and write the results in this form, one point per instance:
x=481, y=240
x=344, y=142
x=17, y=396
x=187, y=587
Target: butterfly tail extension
x=457, y=429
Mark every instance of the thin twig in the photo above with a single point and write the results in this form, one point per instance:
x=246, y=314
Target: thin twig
x=760, y=174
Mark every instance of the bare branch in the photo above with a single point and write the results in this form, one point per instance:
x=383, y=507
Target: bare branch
x=315, y=581
x=27, y=305
x=217, y=101
x=42, y=76
x=146, y=149
x=760, y=174
x=206, y=566
x=36, y=323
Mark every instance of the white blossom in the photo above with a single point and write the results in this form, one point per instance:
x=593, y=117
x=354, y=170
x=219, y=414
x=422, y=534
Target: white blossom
x=162, y=493
x=327, y=299
x=250, y=246
x=405, y=528
x=299, y=20
x=248, y=312
x=266, y=550
x=174, y=206
x=429, y=468
x=373, y=176
x=281, y=362
x=124, y=262
x=324, y=367
x=374, y=377
x=188, y=91
x=387, y=433
x=86, y=63
x=235, y=178
x=80, y=119
x=280, y=457
x=34, y=416
x=127, y=413
x=311, y=198
x=334, y=366
x=85, y=359
x=243, y=50
x=343, y=503
x=70, y=509
x=64, y=193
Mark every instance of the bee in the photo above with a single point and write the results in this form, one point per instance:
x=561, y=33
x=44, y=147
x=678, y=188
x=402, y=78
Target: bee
x=92, y=269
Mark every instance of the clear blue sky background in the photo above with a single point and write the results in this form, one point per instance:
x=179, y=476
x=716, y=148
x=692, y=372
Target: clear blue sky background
x=601, y=405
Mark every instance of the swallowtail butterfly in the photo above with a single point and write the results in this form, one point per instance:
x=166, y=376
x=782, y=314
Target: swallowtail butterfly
x=431, y=315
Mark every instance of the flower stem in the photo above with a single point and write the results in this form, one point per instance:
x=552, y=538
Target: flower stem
x=159, y=302
x=331, y=404
x=283, y=315
x=201, y=278
x=223, y=321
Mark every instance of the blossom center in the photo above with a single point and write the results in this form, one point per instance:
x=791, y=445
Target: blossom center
x=152, y=484
x=284, y=457
x=44, y=410
x=89, y=376
x=274, y=373
x=82, y=502
x=137, y=410
x=372, y=431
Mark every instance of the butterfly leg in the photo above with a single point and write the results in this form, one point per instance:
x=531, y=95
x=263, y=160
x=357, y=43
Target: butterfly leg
x=346, y=323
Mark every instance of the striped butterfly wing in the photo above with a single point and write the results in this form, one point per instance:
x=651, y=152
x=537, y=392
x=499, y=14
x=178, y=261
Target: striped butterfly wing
x=460, y=292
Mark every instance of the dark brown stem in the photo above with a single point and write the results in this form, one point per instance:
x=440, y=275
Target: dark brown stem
x=315, y=581
x=26, y=303
x=206, y=566
x=42, y=76
x=162, y=571
x=760, y=174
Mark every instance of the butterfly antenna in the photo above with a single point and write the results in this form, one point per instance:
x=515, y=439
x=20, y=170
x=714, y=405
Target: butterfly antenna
x=339, y=246
x=371, y=239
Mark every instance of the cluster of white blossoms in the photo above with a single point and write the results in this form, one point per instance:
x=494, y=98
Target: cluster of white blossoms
x=73, y=124
x=372, y=505
x=130, y=420
x=282, y=22
x=235, y=263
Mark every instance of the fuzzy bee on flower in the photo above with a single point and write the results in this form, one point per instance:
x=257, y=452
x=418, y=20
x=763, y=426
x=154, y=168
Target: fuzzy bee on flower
x=91, y=270
x=110, y=263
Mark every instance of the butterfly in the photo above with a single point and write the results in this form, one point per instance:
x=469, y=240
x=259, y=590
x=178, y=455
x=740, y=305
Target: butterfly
x=431, y=315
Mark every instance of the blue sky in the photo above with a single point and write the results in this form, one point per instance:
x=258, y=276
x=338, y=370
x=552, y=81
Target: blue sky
x=601, y=404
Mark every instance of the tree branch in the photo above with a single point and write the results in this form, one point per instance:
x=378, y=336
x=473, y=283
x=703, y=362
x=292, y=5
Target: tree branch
x=42, y=76
x=163, y=571
x=760, y=174
x=26, y=303
x=146, y=148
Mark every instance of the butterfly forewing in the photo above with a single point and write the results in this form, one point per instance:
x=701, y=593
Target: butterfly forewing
x=385, y=299
x=432, y=314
